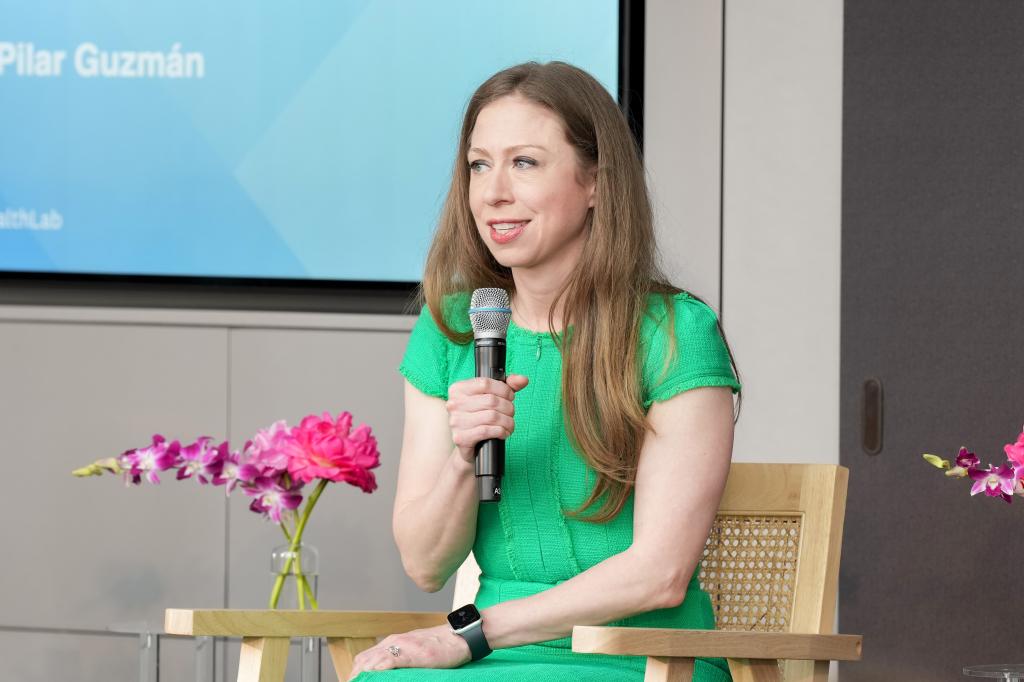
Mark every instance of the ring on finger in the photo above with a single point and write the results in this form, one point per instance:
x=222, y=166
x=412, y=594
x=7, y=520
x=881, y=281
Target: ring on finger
x=394, y=650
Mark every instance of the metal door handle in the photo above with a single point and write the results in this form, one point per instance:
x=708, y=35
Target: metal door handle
x=871, y=416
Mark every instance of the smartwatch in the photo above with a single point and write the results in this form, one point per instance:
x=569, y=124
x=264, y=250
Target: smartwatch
x=468, y=624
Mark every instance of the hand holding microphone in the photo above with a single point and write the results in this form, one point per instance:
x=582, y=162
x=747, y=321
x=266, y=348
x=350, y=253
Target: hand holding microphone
x=479, y=409
x=481, y=412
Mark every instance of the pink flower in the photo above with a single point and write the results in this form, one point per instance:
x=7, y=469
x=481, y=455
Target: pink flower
x=266, y=448
x=1015, y=451
x=321, y=447
x=202, y=460
x=228, y=476
x=160, y=456
x=266, y=454
x=272, y=499
x=965, y=462
x=994, y=482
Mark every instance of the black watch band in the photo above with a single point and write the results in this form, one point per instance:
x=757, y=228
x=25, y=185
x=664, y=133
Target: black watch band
x=467, y=623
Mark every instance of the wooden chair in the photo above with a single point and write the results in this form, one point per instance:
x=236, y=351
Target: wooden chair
x=771, y=567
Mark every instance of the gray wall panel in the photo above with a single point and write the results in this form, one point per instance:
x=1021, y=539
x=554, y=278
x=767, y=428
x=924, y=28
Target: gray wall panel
x=682, y=134
x=90, y=552
x=41, y=657
x=933, y=167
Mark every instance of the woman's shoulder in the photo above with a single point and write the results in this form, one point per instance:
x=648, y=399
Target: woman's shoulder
x=686, y=352
x=688, y=311
x=454, y=312
x=430, y=353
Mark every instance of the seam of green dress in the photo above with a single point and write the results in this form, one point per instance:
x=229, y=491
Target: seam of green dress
x=563, y=529
x=544, y=568
x=556, y=489
x=421, y=382
x=666, y=391
x=510, y=549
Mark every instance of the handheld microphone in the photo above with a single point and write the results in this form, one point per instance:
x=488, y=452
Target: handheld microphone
x=489, y=313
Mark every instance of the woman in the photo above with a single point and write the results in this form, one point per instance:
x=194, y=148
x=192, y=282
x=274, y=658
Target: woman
x=619, y=433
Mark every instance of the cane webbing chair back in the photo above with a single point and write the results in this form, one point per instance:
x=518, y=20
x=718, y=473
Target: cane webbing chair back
x=771, y=561
x=749, y=571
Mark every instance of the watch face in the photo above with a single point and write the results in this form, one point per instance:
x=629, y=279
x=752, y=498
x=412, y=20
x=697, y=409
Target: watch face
x=463, y=616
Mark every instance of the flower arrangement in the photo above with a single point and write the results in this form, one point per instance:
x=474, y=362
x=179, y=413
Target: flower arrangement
x=1005, y=480
x=272, y=468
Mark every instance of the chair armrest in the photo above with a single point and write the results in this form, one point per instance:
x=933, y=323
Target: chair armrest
x=282, y=623
x=671, y=642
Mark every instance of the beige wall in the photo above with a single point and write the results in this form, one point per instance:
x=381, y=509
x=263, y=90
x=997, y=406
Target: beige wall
x=81, y=383
x=783, y=135
x=778, y=221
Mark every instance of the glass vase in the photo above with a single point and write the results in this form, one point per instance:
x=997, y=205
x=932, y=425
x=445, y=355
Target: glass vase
x=298, y=572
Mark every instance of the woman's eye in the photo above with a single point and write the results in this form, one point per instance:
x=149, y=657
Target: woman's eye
x=524, y=162
x=476, y=166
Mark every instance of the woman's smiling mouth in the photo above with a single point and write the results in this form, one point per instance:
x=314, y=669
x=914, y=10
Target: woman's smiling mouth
x=504, y=231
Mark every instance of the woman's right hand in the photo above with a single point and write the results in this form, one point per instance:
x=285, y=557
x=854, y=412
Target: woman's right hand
x=480, y=409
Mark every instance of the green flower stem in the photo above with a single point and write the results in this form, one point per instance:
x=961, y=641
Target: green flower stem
x=279, y=580
x=299, y=576
x=309, y=592
x=302, y=585
x=296, y=539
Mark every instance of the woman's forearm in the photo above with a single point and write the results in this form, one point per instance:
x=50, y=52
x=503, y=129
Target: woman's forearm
x=623, y=585
x=435, y=532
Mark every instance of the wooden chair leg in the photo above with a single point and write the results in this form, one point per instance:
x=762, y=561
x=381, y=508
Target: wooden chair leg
x=806, y=671
x=263, y=659
x=755, y=670
x=343, y=651
x=664, y=669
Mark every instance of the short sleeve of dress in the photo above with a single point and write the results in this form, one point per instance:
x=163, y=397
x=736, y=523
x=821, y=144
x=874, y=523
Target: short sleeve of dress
x=701, y=357
x=425, y=363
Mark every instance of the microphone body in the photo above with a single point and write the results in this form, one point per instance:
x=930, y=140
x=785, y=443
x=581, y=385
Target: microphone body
x=489, y=313
x=490, y=453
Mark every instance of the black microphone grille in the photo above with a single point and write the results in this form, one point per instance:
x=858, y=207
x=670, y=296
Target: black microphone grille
x=489, y=313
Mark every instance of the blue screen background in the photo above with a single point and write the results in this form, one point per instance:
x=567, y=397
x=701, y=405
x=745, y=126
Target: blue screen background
x=318, y=143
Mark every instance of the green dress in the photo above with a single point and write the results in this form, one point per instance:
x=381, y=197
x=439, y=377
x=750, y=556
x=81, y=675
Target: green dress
x=524, y=544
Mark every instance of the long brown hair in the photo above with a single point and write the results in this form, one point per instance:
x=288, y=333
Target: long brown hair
x=606, y=295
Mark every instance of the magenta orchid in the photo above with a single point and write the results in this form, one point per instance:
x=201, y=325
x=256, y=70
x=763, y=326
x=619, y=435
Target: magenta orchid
x=1002, y=481
x=273, y=498
x=994, y=481
x=202, y=461
x=272, y=468
x=964, y=461
x=149, y=460
x=228, y=476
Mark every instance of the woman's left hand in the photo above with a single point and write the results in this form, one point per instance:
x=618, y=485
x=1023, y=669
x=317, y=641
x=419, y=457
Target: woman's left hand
x=436, y=647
